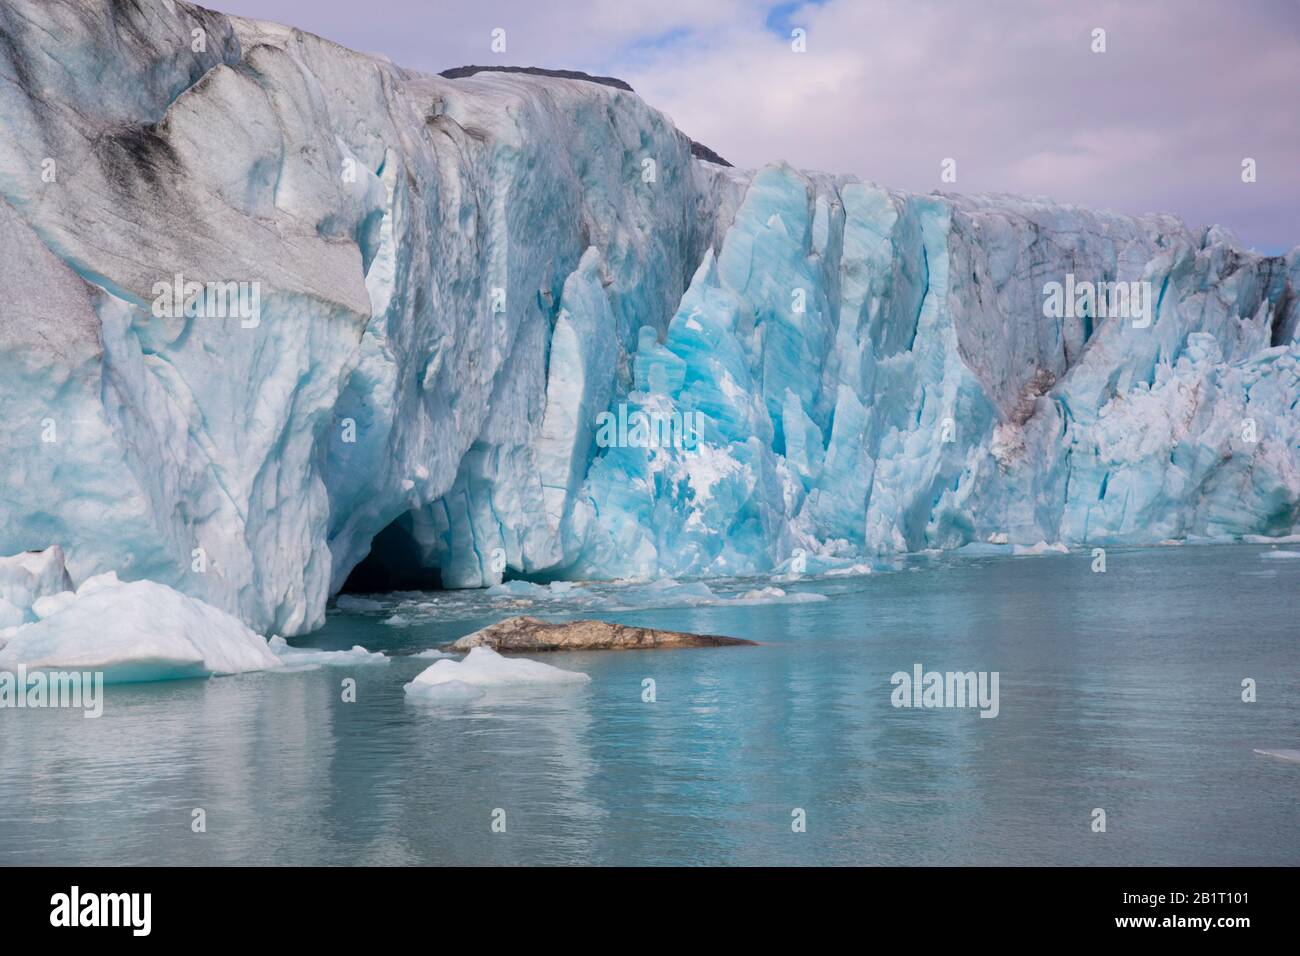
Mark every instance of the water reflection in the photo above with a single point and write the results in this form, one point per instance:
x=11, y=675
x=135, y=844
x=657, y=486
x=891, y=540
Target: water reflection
x=1119, y=690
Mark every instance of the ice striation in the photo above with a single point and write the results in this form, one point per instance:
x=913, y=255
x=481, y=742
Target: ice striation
x=455, y=277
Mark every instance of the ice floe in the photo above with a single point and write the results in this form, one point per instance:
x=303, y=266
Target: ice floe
x=137, y=631
x=1289, y=756
x=304, y=657
x=482, y=668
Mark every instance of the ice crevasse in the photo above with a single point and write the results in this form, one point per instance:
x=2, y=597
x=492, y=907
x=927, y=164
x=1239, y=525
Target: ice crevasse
x=455, y=277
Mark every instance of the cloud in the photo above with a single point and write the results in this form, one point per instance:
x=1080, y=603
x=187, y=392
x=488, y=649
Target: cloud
x=889, y=88
x=1013, y=91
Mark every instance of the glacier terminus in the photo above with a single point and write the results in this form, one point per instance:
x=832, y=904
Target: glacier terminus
x=442, y=288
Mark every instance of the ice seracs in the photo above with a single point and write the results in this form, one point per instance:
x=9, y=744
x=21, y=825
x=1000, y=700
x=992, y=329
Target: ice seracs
x=457, y=277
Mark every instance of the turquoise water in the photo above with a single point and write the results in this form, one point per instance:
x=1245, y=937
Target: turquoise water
x=1119, y=690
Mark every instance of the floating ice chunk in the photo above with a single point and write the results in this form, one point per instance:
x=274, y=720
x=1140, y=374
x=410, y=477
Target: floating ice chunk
x=434, y=654
x=141, y=631
x=398, y=620
x=985, y=548
x=1041, y=548
x=484, y=667
x=538, y=592
x=1280, y=554
x=518, y=589
x=349, y=602
x=308, y=656
x=853, y=570
x=819, y=565
x=1290, y=756
x=772, y=595
x=1266, y=539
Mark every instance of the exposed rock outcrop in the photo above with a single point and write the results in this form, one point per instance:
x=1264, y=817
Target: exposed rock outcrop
x=531, y=634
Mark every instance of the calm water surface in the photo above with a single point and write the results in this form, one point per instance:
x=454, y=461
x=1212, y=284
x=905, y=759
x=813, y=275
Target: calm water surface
x=1119, y=690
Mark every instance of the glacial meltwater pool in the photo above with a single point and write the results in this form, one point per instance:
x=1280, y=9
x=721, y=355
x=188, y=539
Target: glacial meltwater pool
x=1120, y=691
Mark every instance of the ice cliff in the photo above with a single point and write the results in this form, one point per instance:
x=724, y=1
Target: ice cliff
x=452, y=280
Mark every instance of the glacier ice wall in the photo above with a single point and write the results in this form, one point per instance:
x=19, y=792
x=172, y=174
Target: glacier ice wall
x=457, y=277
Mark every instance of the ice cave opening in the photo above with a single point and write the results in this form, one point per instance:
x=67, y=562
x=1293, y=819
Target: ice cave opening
x=395, y=563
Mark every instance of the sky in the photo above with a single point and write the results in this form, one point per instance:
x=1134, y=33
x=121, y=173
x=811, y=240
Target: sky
x=886, y=90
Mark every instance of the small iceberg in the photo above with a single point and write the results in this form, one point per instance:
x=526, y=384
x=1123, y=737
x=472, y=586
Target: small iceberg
x=137, y=631
x=482, y=668
x=1289, y=756
x=1269, y=539
x=307, y=657
x=1280, y=554
x=350, y=602
x=1042, y=547
x=773, y=595
x=853, y=570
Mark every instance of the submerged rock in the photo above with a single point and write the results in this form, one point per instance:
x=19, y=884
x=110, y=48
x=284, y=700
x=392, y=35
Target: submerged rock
x=534, y=634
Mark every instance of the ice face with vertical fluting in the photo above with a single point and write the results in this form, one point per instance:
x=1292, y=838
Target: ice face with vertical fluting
x=458, y=278
x=27, y=578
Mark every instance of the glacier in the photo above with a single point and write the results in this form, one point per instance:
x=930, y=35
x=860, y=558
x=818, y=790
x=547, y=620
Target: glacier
x=457, y=276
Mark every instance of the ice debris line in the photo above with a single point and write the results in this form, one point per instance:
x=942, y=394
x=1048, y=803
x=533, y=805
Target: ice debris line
x=453, y=278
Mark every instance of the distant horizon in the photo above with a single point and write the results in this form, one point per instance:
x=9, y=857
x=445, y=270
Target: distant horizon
x=1013, y=91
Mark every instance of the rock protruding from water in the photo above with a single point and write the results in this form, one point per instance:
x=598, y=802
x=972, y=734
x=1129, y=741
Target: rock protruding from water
x=520, y=634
